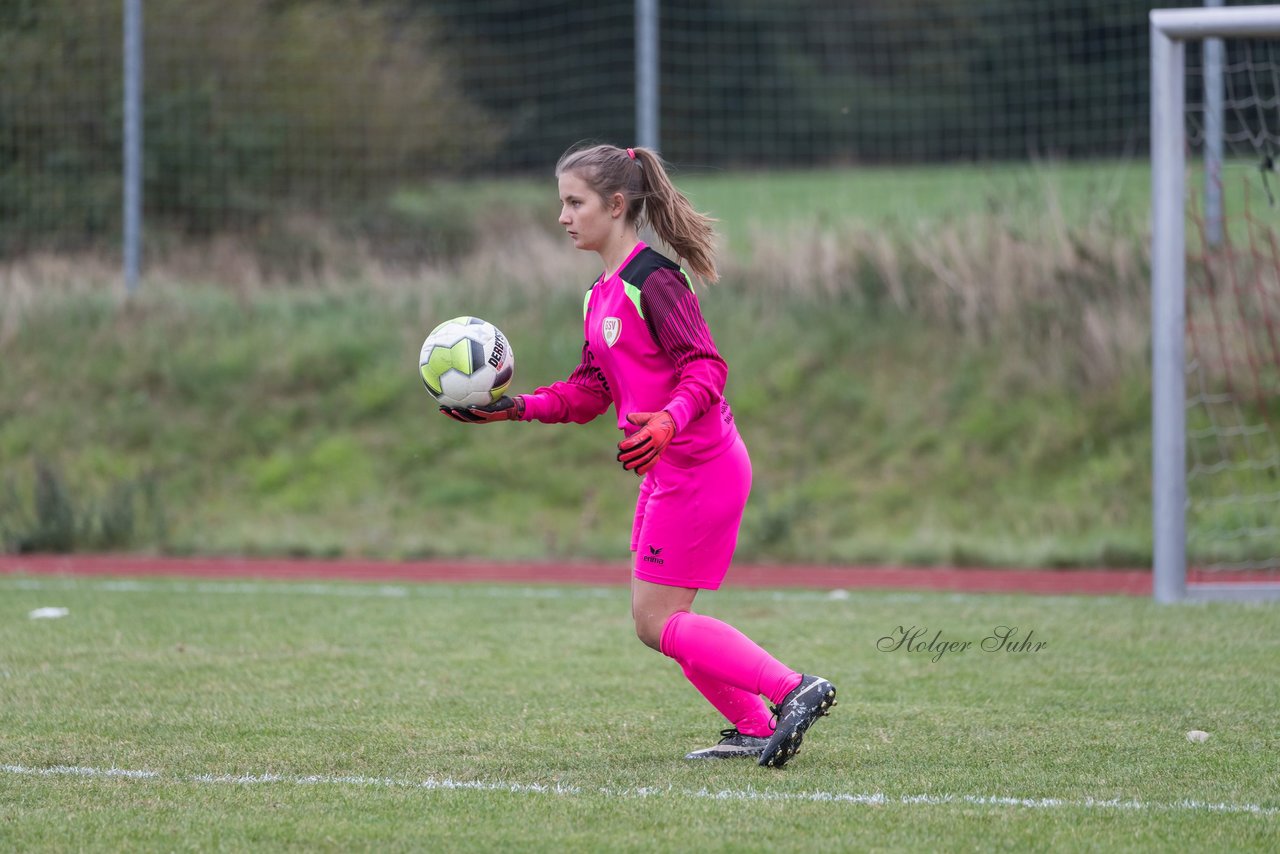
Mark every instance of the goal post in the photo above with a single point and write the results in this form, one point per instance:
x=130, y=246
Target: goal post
x=1240, y=281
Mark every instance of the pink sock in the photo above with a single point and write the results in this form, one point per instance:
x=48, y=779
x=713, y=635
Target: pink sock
x=720, y=652
x=747, y=712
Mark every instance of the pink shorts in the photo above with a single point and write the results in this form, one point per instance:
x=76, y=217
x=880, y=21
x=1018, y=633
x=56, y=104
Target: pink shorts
x=687, y=520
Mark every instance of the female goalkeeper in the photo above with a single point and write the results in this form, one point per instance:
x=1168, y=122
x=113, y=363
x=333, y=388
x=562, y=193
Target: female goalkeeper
x=649, y=353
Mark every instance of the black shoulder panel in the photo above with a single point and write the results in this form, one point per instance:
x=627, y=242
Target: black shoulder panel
x=644, y=264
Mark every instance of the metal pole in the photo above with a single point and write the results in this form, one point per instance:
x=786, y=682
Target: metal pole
x=647, y=73
x=1212, y=51
x=132, y=142
x=1168, y=319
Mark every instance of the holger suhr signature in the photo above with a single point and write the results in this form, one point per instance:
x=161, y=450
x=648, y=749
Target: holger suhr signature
x=918, y=639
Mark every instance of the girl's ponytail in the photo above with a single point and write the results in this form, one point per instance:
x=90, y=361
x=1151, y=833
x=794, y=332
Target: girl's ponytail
x=674, y=219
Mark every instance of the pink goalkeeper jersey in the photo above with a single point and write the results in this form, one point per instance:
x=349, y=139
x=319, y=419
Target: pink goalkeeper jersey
x=647, y=349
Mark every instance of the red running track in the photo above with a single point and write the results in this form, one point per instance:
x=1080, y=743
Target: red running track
x=1101, y=582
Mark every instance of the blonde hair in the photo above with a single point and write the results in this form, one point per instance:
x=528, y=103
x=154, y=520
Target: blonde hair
x=641, y=177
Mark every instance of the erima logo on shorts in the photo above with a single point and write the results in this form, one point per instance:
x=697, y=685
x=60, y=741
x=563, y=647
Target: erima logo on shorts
x=612, y=328
x=652, y=556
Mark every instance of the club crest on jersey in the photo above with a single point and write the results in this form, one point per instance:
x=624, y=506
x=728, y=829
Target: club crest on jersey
x=612, y=328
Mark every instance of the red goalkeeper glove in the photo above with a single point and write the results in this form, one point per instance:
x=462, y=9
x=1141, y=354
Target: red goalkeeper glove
x=503, y=409
x=640, y=451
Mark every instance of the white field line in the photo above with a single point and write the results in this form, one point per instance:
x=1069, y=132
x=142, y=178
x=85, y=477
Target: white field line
x=449, y=784
x=76, y=771
x=357, y=590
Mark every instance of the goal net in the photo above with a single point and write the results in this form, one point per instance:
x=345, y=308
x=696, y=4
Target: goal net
x=1228, y=212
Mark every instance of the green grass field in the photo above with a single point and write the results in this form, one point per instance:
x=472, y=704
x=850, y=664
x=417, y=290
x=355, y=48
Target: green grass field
x=185, y=715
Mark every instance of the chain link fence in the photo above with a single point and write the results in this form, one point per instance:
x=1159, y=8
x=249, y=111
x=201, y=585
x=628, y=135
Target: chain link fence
x=258, y=110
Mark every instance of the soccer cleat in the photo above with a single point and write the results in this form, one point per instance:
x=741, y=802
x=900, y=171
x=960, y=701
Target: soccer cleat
x=807, y=702
x=732, y=745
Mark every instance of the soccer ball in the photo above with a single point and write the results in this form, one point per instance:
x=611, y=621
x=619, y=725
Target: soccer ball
x=466, y=362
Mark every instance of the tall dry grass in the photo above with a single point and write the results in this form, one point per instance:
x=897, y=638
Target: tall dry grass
x=25, y=281
x=1233, y=313
x=1069, y=304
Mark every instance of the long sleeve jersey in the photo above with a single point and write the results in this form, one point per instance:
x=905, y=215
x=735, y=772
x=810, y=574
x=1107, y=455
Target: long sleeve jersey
x=647, y=348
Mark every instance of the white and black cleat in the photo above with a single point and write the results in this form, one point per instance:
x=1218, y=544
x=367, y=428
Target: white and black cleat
x=808, y=701
x=732, y=745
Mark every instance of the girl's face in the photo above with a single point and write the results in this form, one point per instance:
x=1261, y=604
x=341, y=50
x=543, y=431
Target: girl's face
x=584, y=215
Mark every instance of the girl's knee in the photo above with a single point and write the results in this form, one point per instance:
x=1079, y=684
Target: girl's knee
x=649, y=630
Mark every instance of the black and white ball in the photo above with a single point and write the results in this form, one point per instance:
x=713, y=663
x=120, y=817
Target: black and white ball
x=466, y=361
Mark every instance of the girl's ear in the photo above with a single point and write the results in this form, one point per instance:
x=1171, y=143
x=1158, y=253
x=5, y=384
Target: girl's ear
x=617, y=205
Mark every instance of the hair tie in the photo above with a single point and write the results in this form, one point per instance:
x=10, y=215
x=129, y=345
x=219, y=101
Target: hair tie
x=631, y=152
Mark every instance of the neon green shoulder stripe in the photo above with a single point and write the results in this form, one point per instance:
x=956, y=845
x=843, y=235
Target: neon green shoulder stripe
x=633, y=294
x=586, y=300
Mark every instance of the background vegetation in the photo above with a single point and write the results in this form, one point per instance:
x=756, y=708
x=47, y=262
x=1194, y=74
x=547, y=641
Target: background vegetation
x=255, y=112
x=261, y=112
x=941, y=362
x=906, y=396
